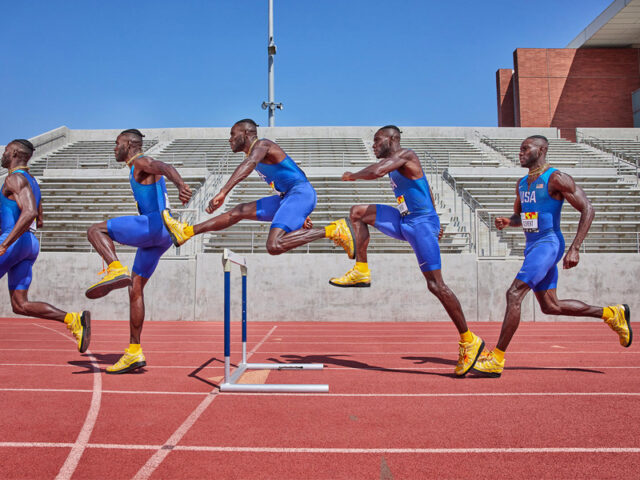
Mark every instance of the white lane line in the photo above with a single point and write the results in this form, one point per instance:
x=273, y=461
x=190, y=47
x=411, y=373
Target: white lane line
x=162, y=452
x=348, y=352
x=471, y=394
x=196, y=448
x=71, y=463
x=401, y=369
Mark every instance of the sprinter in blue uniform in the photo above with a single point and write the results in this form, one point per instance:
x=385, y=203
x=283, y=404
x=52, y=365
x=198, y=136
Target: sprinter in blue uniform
x=414, y=220
x=21, y=214
x=144, y=231
x=537, y=208
x=288, y=209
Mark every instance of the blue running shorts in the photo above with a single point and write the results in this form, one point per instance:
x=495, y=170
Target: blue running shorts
x=18, y=261
x=288, y=212
x=539, y=269
x=421, y=231
x=146, y=232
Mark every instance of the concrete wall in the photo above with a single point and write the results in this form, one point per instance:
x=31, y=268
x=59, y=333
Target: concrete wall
x=294, y=287
x=366, y=132
x=610, y=133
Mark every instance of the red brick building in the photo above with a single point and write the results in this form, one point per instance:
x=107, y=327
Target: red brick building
x=589, y=86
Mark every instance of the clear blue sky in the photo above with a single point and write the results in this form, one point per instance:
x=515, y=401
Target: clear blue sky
x=144, y=64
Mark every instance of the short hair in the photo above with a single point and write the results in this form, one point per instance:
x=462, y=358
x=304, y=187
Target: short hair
x=25, y=143
x=249, y=121
x=539, y=137
x=132, y=131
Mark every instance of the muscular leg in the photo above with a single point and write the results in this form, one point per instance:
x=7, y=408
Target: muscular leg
x=279, y=241
x=550, y=305
x=449, y=301
x=516, y=293
x=22, y=306
x=136, y=307
x=361, y=216
x=243, y=211
x=98, y=236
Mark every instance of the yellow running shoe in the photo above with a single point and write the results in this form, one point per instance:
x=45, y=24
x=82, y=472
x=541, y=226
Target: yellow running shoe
x=128, y=362
x=343, y=236
x=621, y=323
x=353, y=278
x=488, y=365
x=114, y=278
x=80, y=326
x=469, y=354
x=175, y=228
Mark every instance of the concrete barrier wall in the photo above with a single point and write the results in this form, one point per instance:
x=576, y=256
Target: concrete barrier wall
x=294, y=287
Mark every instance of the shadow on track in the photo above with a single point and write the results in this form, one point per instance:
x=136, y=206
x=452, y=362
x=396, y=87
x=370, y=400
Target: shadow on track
x=355, y=364
x=106, y=359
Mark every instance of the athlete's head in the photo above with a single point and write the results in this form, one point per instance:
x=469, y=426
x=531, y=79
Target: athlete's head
x=386, y=141
x=533, y=150
x=128, y=143
x=243, y=133
x=17, y=152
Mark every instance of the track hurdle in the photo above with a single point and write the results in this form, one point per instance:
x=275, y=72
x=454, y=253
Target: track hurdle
x=229, y=384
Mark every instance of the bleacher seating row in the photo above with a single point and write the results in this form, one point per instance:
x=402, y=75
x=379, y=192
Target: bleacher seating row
x=335, y=199
x=616, y=225
x=562, y=154
x=72, y=204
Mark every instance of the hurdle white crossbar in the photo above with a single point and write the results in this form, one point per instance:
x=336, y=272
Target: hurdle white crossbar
x=230, y=380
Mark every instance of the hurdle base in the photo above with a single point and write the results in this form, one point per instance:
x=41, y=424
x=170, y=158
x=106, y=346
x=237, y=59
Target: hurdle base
x=232, y=386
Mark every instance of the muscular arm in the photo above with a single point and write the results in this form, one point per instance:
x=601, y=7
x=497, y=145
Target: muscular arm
x=18, y=187
x=248, y=165
x=376, y=170
x=155, y=167
x=40, y=217
x=561, y=184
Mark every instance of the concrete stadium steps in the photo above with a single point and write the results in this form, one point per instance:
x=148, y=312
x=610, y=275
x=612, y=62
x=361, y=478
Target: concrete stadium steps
x=72, y=204
x=448, y=152
x=206, y=153
x=561, y=154
x=83, y=154
x=335, y=198
x=616, y=227
x=629, y=150
x=325, y=152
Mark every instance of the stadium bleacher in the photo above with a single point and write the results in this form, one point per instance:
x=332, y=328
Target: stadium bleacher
x=616, y=227
x=82, y=154
x=562, y=154
x=72, y=203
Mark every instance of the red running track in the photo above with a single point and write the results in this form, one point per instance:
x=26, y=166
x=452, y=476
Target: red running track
x=568, y=404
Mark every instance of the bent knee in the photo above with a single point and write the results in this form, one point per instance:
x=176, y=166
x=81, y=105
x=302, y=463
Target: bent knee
x=274, y=249
x=357, y=211
x=550, y=308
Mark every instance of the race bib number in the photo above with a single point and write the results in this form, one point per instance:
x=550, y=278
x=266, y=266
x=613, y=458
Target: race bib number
x=33, y=228
x=166, y=201
x=529, y=221
x=402, y=206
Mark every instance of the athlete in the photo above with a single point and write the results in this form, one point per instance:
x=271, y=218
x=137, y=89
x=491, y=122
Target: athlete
x=537, y=208
x=414, y=220
x=21, y=214
x=144, y=231
x=288, y=210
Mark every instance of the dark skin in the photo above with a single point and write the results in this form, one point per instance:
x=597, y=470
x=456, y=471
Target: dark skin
x=244, y=138
x=561, y=186
x=386, y=146
x=17, y=188
x=146, y=172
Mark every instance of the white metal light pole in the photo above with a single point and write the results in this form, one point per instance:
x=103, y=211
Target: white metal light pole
x=271, y=49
